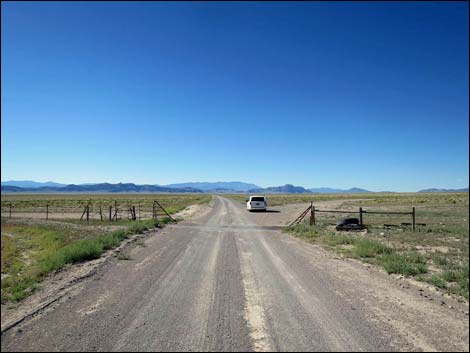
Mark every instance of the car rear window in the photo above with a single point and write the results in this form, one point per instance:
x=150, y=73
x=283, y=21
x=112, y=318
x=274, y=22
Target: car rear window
x=257, y=199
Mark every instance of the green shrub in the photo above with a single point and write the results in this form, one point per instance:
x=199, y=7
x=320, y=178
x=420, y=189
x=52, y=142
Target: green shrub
x=437, y=281
x=440, y=260
x=137, y=228
x=450, y=276
x=19, y=288
x=81, y=250
x=406, y=264
x=370, y=248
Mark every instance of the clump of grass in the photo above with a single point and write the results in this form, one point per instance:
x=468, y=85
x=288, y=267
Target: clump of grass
x=440, y=260
x=367, y=248
x=451, y=276
x=10, y=254
x=459, y=279
x=141, y=243
x=410, y=264
x=80, y=251
x=137, y=228
x=16, y=290
x=123, y=256
x=306, y=232
x=333, y=240
x=438, y=281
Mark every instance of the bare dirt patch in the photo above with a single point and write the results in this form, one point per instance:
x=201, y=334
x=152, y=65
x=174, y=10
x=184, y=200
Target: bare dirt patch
x=194, y=211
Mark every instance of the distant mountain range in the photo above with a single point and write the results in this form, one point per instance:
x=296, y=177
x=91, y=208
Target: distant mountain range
x=30, y=183
x=192, y=187
x=284, y=189
x=339, y=191
x=100, y=188
x=219, y=185
x=444, y=190
x=291, y=189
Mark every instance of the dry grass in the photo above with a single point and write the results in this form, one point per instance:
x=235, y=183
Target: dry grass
x=71, y=206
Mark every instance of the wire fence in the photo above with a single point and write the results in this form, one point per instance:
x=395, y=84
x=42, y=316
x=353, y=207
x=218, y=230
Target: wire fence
x=87, y=210
x=312, y=212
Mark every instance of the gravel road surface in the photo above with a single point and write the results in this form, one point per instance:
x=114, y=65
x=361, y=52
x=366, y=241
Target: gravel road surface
x=232, y=281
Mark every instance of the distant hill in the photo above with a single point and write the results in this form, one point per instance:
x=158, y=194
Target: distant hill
x=356, y=191
x=284, y=189
x=339, y=191
x=101, y=188
x=9, y=188
x=219, y=186
x=223, y=191
x=30, y=183
x=444, y=190
x=325, y=190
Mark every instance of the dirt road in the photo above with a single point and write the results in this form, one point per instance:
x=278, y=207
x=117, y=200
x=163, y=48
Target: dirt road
x=229, y=281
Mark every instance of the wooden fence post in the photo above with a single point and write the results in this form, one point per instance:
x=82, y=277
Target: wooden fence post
x=360, y=216
x=413, y=215
x=101, y=214
x=110, y=210
x=138, y=207
x=47, y=211
x=10, y=210
x=87, y=213
x=299, y=218
x=153, y=211
x=161, y=207
x=313, y=215
x=115, y=214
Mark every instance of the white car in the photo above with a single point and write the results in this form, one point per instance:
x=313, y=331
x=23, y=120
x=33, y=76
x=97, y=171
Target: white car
x=257, y=203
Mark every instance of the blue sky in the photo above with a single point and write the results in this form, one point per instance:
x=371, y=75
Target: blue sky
x=371, y=95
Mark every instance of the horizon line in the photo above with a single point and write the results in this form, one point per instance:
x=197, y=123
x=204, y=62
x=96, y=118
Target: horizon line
x=213, y=182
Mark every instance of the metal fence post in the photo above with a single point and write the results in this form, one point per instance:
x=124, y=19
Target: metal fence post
x=413, y=215
x=10, y=210
x=360, y=216
x=47, y=211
